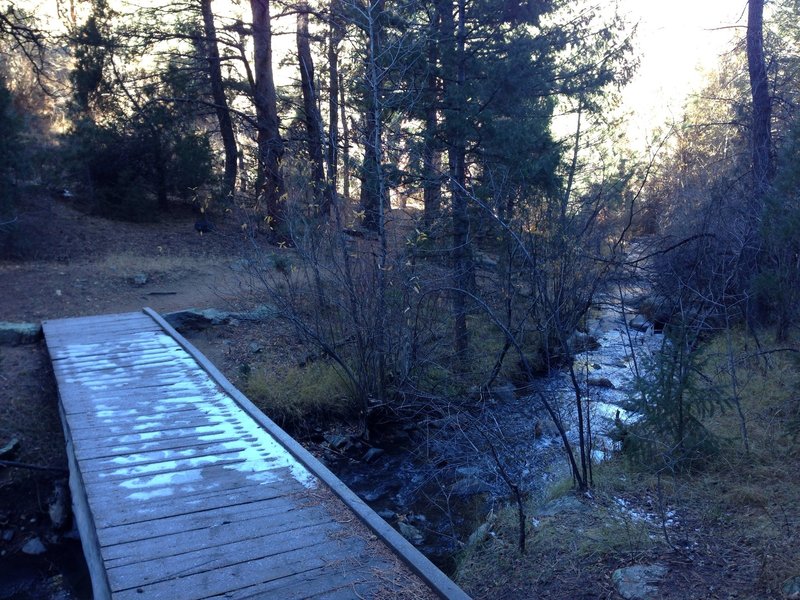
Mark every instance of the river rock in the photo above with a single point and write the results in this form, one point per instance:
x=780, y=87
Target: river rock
x=411, y=533
x=372, y=454
x=471, y=486
x=603, y=382
x=582, y=342
x=34, y=547
x=791, y=588
x=639, y=582
x=640, y=323
x=14, y=334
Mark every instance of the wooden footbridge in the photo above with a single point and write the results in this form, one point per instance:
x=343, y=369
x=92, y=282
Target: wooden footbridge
x=182, y=489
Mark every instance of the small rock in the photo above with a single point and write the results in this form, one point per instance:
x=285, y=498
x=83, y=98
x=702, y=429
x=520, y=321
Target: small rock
x=255, y=347
x=372, y=454
x=34, y=547
x=387, y=515
x=479, y=535
x=639, y=582
x=411, y=533
x=564, y=504
x=7, y=535
x=505, y=392
x=640, y=323
x=582, y=342
x=8, y=450
x=470, y=486
x=14, y=334
x=791, y=588
x=337, y=441
x=241, y=265
x=139, y=279
x=58, y=507
x=603, y=382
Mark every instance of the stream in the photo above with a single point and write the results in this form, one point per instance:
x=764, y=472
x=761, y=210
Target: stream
x=438, y=481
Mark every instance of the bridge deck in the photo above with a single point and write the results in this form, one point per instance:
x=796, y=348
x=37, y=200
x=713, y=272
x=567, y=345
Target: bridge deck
x=182, y=489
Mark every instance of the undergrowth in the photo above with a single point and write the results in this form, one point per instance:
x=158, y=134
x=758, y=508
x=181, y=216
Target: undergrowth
x=728, y=529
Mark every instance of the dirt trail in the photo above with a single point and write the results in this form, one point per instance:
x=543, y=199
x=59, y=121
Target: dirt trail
x=60, y=262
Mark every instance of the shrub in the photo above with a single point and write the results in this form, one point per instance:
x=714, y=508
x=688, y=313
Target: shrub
x=672, y=400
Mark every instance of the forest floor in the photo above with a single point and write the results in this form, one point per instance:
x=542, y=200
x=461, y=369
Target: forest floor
x=738, y=526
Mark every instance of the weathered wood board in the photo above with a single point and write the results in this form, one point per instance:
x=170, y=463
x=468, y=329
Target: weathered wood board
x=183, y=490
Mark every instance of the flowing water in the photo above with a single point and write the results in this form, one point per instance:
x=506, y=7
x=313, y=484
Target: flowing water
x=438, y=481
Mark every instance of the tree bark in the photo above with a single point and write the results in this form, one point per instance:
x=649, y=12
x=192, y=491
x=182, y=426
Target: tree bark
x=335, y=37
x=311, y=115
x=431, y=187
x=454, y=35
x=220, y=102
x=373, y=193
x=762, y=107
x=270, y=189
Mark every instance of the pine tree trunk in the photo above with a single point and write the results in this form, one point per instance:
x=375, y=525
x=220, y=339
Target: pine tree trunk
x=311, y=115
x=270, y=188
x=220, y=102
x=335, y=36
x=762, y=109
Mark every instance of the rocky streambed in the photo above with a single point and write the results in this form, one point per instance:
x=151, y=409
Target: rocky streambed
x=436, y=481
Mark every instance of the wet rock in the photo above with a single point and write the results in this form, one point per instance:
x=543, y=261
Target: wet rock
x=34, y=547
x=582, y=342
x=471, y=486
x=639, y=582
x=372, y=454
x=791, y=588
x=380, y=491
x=411, y=533
x=640, y=323
x=603, y=382
x=338, y=441
x=7, y=535
x=14, y=334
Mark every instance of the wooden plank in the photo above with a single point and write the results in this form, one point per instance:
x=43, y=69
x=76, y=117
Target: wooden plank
x=174, y=439
x=357, y=583
x=184, y=500
x=180, y=534
x=218, y=554
x=232, y=577
x=412, y=557
x=131, y=460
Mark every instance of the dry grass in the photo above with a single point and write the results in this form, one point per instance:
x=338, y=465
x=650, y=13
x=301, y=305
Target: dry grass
x=295, y=396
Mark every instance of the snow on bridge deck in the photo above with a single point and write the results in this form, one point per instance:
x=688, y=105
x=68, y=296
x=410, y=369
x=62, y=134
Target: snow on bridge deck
x=183, y=489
